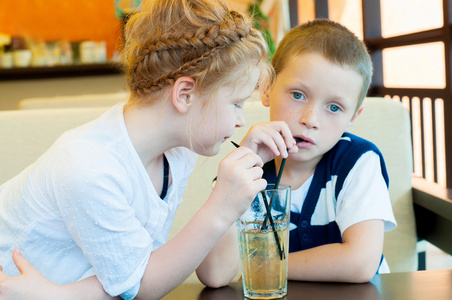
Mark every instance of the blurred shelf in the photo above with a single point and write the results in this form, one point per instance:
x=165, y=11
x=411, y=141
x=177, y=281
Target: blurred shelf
x=59, y=71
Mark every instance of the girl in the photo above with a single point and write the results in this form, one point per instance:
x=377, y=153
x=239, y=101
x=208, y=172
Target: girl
x=93, y=213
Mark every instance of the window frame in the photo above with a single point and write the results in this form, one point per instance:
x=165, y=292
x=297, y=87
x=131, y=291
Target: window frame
x=376, y=43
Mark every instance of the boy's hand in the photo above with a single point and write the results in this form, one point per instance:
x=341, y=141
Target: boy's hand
x=29, y=285
x=239, y=180
x=269, y=140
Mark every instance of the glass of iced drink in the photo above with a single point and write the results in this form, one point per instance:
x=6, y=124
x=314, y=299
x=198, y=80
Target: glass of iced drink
x=263, y=232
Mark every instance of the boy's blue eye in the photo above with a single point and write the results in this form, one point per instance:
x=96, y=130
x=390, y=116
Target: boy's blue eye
x=334, y=108
x=298, y=95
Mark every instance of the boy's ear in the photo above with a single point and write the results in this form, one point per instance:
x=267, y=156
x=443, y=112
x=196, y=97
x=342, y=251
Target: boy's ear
x=182, y=94
x=358, y=112
x=265, y=98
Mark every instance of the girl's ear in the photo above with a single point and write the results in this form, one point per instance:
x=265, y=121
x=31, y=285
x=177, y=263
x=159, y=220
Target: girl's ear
x=265, y=98
x=182, y=94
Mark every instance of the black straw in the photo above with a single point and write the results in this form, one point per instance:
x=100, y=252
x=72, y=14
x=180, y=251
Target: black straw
x=235, y=144
x=267, y=207
x=278, y=179
x=278, y=243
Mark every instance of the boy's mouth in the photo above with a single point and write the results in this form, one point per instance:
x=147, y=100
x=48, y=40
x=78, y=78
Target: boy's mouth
x=303, y=140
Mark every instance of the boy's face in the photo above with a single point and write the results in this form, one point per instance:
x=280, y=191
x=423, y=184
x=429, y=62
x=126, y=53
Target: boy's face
x=317, y=99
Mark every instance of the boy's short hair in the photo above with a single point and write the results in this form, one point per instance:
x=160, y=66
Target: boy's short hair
x=330, y=39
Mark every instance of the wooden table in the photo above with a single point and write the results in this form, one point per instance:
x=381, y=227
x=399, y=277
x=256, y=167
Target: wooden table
x=420, y=285
x=433, y=211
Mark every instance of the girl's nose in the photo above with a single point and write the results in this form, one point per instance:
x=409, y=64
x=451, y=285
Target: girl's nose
x=240, y=120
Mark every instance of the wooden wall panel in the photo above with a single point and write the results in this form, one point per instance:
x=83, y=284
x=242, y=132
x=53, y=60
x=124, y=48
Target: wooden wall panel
x=71, y=20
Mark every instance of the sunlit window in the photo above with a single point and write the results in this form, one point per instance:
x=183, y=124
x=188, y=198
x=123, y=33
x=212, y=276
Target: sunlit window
x=428, y=139
x=400, y=17
x=417, y=66
x=416, y=133
x=306, y=11
x=440, y=141
x=348, y=13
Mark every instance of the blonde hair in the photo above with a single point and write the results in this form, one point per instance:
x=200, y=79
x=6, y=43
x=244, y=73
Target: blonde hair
x=331, y=40
x=168, y=39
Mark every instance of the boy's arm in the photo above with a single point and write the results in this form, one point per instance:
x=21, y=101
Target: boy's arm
x=356, y=259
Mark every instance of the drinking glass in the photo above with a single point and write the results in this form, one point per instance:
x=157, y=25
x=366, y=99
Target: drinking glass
x=263, y=232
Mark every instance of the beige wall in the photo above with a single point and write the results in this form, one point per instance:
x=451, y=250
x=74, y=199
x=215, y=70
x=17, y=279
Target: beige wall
x=239, y=5
x=11, y=92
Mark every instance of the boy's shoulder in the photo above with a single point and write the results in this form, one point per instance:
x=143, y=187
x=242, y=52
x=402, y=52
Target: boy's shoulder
x=338, y=161
x=347, y=151
x=345, y=154
x=350, y=144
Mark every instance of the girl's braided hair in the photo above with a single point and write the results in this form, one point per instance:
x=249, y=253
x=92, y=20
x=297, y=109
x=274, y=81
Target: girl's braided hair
x=168, y=39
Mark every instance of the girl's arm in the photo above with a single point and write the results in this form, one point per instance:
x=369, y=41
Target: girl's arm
x=238, y=181
x=268, y=140
x=167, y=267
x=33, y=285
x=356, y=259
x=203, y=244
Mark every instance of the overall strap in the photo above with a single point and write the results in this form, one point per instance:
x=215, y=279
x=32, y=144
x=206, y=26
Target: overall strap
x=165, y=177
x=270, y=172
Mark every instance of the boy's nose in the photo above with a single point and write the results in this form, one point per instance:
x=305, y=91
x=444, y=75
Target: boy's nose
x=308, y=117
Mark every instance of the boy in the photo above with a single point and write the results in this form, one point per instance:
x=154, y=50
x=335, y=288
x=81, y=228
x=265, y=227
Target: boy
x=340, y=202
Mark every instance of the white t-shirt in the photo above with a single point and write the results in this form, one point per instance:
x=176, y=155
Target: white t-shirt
x=88, y=206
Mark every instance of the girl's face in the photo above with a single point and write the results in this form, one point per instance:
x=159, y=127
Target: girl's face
x=218, y=119
x=317, y=99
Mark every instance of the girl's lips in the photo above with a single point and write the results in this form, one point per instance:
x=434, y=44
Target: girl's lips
x=226, y=138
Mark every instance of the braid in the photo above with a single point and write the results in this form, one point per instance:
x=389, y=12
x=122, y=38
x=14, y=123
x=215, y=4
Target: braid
x=198, y=47
x=202, y=39
x=167, y=79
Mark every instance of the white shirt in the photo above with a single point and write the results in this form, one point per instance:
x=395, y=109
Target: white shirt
x=88, y=203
